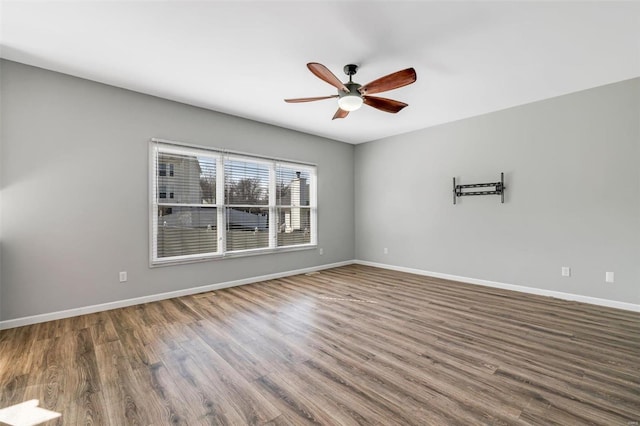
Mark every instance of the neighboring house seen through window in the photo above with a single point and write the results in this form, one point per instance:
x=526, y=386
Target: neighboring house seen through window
x=208, y=203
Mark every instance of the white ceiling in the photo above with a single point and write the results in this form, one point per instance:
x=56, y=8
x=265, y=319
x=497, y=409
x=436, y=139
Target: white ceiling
x=243, y=57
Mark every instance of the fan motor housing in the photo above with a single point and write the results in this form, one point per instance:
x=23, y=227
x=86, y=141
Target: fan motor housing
x=353, y=90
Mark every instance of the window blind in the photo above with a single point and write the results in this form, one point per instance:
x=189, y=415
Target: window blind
x=246, y=203
x=186, y=211
x=293, y=205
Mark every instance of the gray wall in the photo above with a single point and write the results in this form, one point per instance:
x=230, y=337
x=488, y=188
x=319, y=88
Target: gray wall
x=74, y=164
x=73, y=174
x=572, y=167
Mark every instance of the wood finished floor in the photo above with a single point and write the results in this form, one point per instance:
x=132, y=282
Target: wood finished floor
x=351, y=345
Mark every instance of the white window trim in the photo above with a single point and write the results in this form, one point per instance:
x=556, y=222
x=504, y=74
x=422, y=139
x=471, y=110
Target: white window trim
x=221, y=154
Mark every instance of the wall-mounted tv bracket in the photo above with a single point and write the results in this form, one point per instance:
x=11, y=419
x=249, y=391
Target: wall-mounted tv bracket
x=497, y=190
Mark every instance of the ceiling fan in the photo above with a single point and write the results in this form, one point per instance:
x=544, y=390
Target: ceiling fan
x=352, y=95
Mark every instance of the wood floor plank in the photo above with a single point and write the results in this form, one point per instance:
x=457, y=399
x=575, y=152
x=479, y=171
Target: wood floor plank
x=122, y=395
x=164, y=395
x=349, y=345
x=214, y=406
x=246, y=400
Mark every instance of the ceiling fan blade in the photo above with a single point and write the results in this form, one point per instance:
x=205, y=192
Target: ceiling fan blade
x=340, y=113
x=323, y=73
x=319, y=98
x=384, y=104
x=390, y=82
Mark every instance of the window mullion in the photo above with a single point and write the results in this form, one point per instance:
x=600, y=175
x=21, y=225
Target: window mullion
x=221, y=207
x=273, y=217
x=153, y=200
x=313, y=198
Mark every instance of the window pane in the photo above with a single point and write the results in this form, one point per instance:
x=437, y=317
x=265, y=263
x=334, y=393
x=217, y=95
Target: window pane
x=292, y=186
x=294, y=226
x=247, y=228
x=186, y=230
x=246, y=182
x=191, y=178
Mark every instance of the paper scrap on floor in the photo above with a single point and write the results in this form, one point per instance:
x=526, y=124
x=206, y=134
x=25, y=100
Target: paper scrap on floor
x=26, y=414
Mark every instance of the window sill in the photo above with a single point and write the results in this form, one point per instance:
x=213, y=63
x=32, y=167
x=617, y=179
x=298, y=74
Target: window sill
x=234, y=255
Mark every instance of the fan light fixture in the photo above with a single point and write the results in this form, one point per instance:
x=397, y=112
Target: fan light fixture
x=350, y=102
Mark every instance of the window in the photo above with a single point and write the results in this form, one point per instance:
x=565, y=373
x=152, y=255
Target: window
x=293, y=205
x=184, y=213
x=210, y=203
x=246, y=192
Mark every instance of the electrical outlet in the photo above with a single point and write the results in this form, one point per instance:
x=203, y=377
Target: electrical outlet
x=321, y=251
x=608, y=277
x=386, y=250
x=566, y=271
x=123, y=276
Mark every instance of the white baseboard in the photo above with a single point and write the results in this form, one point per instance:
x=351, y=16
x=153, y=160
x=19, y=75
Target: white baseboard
x=18, y=322
x=34, y=319
x=514, y=287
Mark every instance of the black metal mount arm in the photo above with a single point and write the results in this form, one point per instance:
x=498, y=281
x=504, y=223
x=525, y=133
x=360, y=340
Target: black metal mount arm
x=498, y=189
